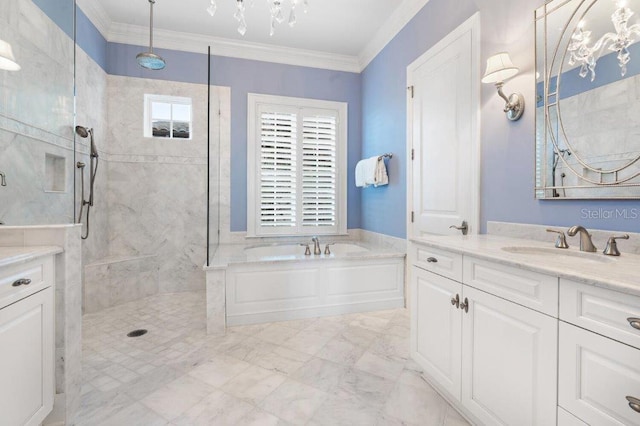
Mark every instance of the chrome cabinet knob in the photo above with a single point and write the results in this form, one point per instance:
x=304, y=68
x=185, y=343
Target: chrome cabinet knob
x=21, y=281
x=634, y=322
x=455, y=301
x=634, y=403
x=465, y=305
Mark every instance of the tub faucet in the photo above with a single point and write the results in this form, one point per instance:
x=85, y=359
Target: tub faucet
x=316, y=246
x=585, y=238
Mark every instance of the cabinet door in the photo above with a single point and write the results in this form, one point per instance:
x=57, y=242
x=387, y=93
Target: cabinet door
x=509, y=370
x=436, y=327
x=597, y=375
x=26, y=360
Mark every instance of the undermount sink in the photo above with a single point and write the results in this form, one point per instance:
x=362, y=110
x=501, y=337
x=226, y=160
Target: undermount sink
x=559, y=253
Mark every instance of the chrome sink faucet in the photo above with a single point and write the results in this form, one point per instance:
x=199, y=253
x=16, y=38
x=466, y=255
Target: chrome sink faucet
x=316, y=246
x=585, y=238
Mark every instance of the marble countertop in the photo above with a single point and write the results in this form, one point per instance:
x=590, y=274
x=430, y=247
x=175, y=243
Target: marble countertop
x=228, y=254
x=13, y=255
x=615, y=273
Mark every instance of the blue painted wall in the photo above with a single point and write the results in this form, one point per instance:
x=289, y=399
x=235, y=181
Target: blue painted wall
x=377, y=116
x=384, y=102
x=507, y=171
x=246, y=76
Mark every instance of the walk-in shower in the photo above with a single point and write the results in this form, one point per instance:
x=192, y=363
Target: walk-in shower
x=85, y=132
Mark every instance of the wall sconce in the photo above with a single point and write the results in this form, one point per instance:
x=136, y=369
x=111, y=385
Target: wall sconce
x=7, y=60
x=499, y=69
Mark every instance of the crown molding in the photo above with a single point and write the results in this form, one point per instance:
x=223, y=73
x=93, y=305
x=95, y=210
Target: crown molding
x=392, y=26
x=197, y=43
x=189, y=42
x=96, y=14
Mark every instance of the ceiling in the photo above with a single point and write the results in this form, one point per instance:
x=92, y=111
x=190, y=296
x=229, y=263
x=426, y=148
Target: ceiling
x=342, y=27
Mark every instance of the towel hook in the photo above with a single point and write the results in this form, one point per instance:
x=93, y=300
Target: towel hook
x=386, y=155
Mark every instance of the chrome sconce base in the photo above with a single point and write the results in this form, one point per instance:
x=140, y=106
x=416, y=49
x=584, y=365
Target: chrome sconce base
x=514, y=107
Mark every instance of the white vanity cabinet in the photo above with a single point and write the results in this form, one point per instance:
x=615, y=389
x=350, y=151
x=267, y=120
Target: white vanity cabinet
x=26, y=342
x=599, y=355
x=496, y=358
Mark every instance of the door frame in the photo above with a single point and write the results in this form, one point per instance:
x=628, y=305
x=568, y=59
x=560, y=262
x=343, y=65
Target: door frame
x=471, y=25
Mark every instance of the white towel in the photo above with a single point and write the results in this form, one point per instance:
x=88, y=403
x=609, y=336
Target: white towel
x=381, y=173
x=371, y=171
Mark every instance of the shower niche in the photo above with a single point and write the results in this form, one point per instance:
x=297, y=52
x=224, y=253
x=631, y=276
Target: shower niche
x=55, y=171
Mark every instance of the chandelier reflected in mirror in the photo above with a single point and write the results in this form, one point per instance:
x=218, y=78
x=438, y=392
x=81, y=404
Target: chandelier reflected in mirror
x=276, y=9
x=587, y=56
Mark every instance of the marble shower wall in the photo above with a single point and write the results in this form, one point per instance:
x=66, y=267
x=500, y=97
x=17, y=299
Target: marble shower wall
x=36, y=119
x=157, y=187
x=91, y=111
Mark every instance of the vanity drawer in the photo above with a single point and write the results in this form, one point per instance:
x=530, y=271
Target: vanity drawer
x=531, y=289
x=604, y=311
x=39, y=271
x=442, y=262
x=596, y=375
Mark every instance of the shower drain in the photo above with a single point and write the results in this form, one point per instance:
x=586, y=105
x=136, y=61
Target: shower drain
x=136, y=333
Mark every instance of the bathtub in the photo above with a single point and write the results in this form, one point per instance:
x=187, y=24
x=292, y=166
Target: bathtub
x=253, y=284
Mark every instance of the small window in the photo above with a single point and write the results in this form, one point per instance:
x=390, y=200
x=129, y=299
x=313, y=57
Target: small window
x=167, y=117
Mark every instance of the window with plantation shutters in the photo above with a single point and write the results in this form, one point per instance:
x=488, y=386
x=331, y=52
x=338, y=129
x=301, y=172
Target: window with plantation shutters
x=296, y=166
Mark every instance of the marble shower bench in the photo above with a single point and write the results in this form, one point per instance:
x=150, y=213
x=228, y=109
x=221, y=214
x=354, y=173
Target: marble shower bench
x=114, y=280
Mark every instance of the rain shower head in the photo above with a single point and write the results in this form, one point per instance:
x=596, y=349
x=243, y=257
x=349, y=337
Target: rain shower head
x=150, y=60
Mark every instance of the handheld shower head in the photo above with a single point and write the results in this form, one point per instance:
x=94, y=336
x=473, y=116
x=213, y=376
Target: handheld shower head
x=85, y=132
x=82, y=131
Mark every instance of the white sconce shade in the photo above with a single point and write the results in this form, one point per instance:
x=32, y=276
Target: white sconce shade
x=499, y=68
x=7, y=60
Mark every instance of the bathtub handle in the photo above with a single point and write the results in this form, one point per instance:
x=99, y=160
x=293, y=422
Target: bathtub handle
x=326, y=249
x=307, y=251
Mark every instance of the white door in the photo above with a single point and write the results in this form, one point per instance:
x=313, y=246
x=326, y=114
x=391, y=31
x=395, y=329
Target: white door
x=443, y=134
x=509, y=370
x=436, y=328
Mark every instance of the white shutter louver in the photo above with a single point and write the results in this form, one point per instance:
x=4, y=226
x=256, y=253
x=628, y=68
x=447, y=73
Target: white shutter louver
x=297, y=159
x=318, y=171
x=278, y=156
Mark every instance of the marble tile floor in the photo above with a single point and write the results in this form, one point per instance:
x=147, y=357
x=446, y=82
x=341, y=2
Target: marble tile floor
x=345, y=370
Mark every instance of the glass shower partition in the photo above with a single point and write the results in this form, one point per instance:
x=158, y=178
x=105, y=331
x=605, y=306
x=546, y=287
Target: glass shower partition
x=213, y=166
x=37, y=113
